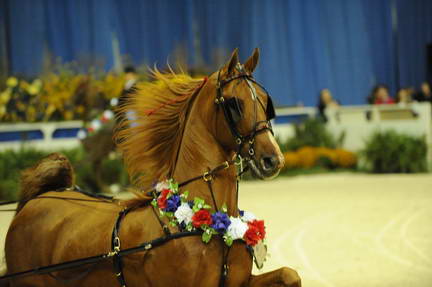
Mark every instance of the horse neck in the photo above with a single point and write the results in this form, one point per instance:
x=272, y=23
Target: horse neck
x=198, y=153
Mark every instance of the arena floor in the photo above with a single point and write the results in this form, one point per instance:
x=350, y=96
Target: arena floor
x=348, y=230
x=344, y=230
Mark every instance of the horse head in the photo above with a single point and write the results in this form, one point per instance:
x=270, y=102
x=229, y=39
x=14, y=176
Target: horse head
x=245, y=110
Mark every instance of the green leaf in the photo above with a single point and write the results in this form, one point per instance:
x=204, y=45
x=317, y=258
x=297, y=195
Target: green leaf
x=224, y=208
x=228, y=240
x=173, y=185
x=185, y=195
x=206, y=236
x=199, y=203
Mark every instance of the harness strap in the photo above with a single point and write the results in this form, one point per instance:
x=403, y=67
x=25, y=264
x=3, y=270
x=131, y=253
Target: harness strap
x=101, y=257
x=100, y=198
x=206, y=176
x=115, y=248
x=67, y=281
x=209, y=184
x=164, y=227
x=225, y=267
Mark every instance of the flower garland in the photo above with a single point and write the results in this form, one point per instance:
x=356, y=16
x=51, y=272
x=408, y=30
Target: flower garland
x=195, y=215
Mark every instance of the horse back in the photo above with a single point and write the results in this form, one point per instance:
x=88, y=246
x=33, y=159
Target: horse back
x=52, y=230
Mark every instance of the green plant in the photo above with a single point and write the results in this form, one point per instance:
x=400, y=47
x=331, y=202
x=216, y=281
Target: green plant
x=392, y=152
x=311, y=132
x=13, y=162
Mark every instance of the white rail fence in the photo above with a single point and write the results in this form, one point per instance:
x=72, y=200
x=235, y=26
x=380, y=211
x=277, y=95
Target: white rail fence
x=357, y=122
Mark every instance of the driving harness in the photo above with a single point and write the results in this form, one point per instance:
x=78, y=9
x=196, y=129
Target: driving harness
x=233, y=113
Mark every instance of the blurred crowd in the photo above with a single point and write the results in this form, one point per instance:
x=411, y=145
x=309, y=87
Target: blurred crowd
x=380, y=95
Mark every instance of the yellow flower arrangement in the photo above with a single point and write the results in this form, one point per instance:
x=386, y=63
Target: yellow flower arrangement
x=111, y=86
x=345, y=159
x=12, y=82
x=291, y=160
x=323, y=152
x=58, y=96
x=308, y=157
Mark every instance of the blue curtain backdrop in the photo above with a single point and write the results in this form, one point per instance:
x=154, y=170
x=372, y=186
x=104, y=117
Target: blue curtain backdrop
x=415, y=32
x=306, y=45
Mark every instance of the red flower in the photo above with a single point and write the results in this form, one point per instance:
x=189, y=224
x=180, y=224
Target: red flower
x=162, y=199
x=255, y=233
x=201, y=217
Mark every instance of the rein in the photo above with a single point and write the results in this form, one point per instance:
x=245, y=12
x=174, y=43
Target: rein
x=98, y=258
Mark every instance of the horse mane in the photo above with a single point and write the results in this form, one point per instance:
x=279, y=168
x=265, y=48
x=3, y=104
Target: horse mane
x=149, y=134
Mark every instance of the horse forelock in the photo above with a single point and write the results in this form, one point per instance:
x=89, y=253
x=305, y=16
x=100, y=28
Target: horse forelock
x=150, y=135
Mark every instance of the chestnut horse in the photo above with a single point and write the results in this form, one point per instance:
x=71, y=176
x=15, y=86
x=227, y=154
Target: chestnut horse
x=178, y=132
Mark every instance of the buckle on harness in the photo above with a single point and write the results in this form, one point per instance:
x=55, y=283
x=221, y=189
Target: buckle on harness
x=207, y=176
x=226, y=165
x=116, y=244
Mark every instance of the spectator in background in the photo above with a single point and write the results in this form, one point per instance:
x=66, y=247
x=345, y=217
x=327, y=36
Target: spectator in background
x=380, y=96
x=131, y=78
x=425, y=94
x=325, y=101
x=403, y=96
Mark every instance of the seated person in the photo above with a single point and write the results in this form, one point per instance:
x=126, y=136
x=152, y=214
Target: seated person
x=325, y=101
x=380, y=95
x=403, y=96
x=425, y=94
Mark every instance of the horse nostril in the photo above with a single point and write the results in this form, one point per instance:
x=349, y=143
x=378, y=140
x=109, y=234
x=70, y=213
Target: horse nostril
x=269, y=163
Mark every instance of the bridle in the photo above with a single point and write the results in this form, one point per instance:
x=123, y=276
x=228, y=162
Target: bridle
x=232, y=111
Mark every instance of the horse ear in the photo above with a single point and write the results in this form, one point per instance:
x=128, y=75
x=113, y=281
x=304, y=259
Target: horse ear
x=252, y=62
x=229, y=66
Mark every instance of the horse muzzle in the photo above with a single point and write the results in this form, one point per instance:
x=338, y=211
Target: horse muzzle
x=266, y=167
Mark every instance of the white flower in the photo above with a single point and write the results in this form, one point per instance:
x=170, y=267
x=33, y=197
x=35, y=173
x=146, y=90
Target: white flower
x=108, y=114
x=81, y=134
x=96, y=124
x=237, y=228
x=248, y=216
x=114, y=102
x=184, y=213
x=161, y=186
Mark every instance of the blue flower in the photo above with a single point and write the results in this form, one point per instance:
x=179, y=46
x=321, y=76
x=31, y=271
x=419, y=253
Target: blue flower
x=241, y=212
x=173, y=203
x=221, y=222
